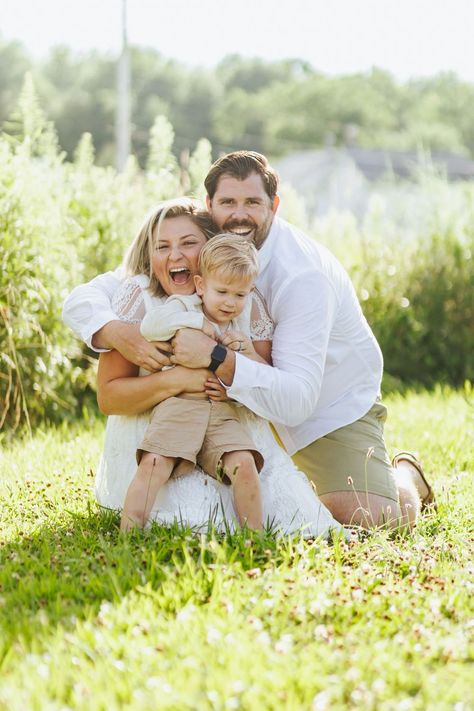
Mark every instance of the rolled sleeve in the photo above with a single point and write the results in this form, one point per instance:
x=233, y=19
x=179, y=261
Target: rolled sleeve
x=88, y=307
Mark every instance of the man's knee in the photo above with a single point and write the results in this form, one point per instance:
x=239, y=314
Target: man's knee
x=352, y=508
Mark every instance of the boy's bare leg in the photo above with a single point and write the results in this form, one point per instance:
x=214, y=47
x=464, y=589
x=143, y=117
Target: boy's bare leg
x=242, y=472
x=153, y=471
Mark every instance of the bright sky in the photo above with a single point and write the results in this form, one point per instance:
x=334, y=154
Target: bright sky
x=407, y=37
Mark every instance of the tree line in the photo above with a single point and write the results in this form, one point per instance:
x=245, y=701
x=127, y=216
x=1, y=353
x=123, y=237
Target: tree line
x=62, y=222
x=271, y=106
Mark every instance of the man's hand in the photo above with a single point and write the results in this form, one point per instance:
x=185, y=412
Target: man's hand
x=190, y=380
x=127, y=339
x=192, y=348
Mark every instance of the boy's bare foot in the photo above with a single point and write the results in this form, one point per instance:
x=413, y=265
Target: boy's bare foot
x=128, y=523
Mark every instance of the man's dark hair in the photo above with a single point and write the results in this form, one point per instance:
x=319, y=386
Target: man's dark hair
x=241, y=164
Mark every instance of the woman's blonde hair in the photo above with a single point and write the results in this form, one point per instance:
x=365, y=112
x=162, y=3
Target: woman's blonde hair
x=230, y=255
x=138, y=259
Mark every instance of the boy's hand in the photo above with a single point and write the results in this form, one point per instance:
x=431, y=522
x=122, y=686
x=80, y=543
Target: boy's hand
x=214, y=390
x=238, y=342
x=209, y=329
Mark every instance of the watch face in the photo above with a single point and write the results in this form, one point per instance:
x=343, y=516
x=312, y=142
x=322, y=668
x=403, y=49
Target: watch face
x=219, y=352
x=218, y=355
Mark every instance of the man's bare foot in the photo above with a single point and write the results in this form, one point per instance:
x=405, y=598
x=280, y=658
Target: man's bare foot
x=408, y=463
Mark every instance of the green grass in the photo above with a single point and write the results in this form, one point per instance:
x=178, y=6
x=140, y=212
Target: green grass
x=92, y=620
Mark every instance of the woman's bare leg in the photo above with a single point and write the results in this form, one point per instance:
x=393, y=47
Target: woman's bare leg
x=153, y=471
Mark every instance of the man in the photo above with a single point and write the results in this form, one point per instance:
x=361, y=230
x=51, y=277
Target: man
x=322, y=393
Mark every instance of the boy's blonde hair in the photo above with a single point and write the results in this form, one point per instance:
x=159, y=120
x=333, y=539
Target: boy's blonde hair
x=138, y=259
x=231, y=255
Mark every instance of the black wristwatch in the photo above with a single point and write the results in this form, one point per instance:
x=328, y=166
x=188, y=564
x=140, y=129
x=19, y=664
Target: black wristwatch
x=218, y=355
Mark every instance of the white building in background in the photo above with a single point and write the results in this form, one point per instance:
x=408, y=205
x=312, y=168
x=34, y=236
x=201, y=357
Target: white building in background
x=347, y=178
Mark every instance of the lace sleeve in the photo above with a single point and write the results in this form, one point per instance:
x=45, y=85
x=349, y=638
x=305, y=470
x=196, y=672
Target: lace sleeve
x=128, y=301
x=261, y=324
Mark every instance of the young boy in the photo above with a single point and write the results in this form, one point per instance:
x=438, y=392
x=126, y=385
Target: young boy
x=193, y=427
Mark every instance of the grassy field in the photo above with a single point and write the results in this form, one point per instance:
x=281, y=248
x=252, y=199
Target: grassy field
x=93, y=620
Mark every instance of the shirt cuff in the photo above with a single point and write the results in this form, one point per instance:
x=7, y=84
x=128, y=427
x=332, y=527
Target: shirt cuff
x=94, y=325
x=247, y=375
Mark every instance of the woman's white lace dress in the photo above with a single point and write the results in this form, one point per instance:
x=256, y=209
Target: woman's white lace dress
x=289, y=502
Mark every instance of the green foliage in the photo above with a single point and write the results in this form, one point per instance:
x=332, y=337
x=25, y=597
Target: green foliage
x=79, y=92
x=160, y=157
x=36, y=378
x=161, y=163
x=438, y=341
x=166, y=619
x=63, y=223
x=60, y=224
x=274, y=107
x=29, y=127
x=199, y=164
x=414, y=278
x=14, y=63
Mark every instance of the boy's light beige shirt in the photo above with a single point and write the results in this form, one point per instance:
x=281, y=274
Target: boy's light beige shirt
x=184, y=311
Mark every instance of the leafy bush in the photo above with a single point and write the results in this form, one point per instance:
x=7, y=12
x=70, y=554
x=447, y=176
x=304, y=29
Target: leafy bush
x=60, y=224
x=36, y=377
x=416, y=290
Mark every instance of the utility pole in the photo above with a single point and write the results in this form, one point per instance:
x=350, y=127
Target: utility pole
x=122, y=127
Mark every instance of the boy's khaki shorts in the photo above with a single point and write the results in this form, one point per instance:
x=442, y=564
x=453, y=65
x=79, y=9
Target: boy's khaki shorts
x=352, y=458
x=197, y=431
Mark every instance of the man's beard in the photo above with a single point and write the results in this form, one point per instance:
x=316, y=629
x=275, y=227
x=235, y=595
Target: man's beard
x=259, y=233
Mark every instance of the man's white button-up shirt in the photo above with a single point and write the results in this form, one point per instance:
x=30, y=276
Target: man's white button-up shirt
x=327, y=363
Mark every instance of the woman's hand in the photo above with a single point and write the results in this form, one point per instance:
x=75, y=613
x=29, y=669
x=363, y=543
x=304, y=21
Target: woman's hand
x=127, y=340
x=214, y=390
x=260, y=351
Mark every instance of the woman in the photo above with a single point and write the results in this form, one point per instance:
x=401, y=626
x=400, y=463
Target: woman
x=162, y=261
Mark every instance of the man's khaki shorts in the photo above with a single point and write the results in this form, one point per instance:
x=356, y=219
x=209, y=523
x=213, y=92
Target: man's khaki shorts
x=352, y=458
x=197, y=431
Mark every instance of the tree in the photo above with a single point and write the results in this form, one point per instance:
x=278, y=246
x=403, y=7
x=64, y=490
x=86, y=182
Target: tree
x=14, y=63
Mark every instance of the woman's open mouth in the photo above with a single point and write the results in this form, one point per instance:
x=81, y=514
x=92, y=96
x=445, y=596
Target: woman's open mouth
x=179, y=275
